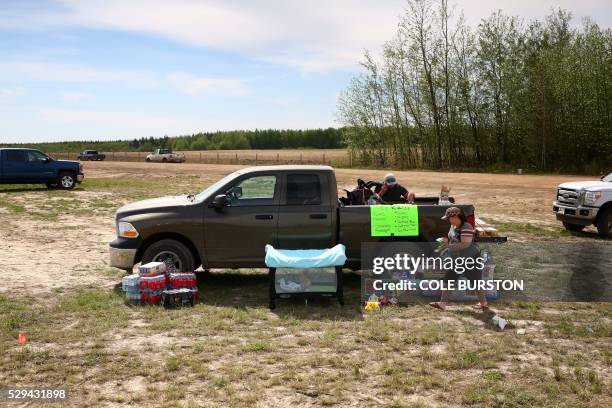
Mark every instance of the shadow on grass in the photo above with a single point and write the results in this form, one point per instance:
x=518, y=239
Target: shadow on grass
x=250, y=290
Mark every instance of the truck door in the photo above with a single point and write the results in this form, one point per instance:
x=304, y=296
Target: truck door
x=39, y=168
x=305, y=213
x=14, y=166
x=236, y=235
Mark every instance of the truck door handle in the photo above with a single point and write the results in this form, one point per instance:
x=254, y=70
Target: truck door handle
x=318, y=216
x=264, y=216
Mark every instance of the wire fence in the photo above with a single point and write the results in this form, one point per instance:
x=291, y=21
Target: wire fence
x=332, y=157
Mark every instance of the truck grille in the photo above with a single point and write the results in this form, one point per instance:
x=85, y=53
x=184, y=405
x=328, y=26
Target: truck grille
x=567, y=196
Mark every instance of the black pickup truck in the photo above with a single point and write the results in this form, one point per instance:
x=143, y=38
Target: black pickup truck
x=91, y=155
x=228, y=224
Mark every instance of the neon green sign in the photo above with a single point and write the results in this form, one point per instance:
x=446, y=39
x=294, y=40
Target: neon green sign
x=394, y=220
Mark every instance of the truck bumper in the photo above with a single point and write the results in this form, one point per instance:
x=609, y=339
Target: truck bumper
x=122, y=253
x=579, y=215
x=80, y=178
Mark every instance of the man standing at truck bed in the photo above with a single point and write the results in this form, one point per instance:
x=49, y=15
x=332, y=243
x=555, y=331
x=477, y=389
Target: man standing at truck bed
x=394, y=192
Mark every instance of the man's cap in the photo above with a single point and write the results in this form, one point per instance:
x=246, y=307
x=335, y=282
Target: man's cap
x=390, y=179
x=451, y=212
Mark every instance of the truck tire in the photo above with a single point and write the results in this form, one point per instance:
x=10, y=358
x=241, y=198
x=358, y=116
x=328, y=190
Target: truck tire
x=172, y=251
x=573, y=227
x=148, y=159
x=164, y=160
x=66, y=180
x=604, y=223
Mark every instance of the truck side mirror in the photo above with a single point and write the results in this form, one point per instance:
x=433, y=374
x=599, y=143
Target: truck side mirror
x=220, y=201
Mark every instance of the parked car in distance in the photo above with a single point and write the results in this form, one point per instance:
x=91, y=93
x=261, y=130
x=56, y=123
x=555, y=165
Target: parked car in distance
x=30, y=166
x=229, y=223
x=91, y=155
x=165, y=156
x=581, y=203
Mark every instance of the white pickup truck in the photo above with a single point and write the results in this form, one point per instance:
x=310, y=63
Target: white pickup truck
x=165, y=156
x=581, y=203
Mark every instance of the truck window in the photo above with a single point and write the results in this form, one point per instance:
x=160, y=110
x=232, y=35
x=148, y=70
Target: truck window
x=303, y=189
x=34, y=156
x=15, y=156
x=257, y=190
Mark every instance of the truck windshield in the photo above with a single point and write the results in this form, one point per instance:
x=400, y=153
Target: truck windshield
x=214, y=187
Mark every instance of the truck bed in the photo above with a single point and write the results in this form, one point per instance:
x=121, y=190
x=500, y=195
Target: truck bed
x=354, y=227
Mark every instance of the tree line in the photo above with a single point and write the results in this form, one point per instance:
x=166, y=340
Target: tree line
x=505, y=93
x=329, y=138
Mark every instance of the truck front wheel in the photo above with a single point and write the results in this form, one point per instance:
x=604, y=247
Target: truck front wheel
x=170, y=252
x=573, y=227
x=604, y=223
x=66, y=180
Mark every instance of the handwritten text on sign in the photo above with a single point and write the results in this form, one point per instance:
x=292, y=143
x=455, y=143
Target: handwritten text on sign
x=394, y=220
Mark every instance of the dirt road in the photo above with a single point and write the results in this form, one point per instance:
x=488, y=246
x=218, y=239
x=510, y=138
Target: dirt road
x=499, y=197
x=55, y=239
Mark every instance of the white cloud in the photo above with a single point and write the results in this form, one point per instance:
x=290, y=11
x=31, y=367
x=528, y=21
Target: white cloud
x=132, y=120
x=312, y=36
x=59, y=72
x=70, y=96
x=192, y=85
x=11, y=93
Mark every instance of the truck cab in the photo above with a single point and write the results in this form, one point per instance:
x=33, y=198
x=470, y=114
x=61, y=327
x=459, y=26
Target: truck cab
x=581, y=203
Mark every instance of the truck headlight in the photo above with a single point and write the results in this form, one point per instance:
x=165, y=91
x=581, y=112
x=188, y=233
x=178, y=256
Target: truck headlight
x=126, y=230
x=591, y=197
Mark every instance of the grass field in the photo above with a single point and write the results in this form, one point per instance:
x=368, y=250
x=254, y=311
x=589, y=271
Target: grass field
x=334, y=157
x=230, y=350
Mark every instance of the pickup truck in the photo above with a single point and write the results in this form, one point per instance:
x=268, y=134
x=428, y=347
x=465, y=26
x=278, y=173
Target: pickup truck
x=30, y=166
x=165, y=156
x=229, y=223
x=91, y=155
x=581, y=203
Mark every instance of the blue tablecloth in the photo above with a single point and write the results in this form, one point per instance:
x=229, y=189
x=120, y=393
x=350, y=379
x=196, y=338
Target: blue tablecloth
x=305, y=258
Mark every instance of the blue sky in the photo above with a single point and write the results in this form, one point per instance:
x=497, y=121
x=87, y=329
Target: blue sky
x=103, y=70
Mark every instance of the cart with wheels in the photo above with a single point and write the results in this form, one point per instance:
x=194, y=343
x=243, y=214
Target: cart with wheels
x=305, y=273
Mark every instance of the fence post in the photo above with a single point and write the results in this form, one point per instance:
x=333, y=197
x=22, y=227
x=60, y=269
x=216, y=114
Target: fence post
x=350, y=158
x=217, y=157
x=324, y=162
x=301, y=158
x=113, y=156
x=277, y=158
x=256, y=159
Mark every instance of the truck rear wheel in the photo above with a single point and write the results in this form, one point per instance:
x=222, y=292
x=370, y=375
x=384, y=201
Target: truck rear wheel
x=604, y=223
x=171, y=252
x=66, y=180
x=573, y=227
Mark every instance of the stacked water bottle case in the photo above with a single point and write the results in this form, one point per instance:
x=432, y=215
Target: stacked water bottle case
x=157, y=284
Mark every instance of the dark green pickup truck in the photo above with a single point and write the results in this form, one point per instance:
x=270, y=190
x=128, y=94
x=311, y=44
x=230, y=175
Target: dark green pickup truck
x=228, y=224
